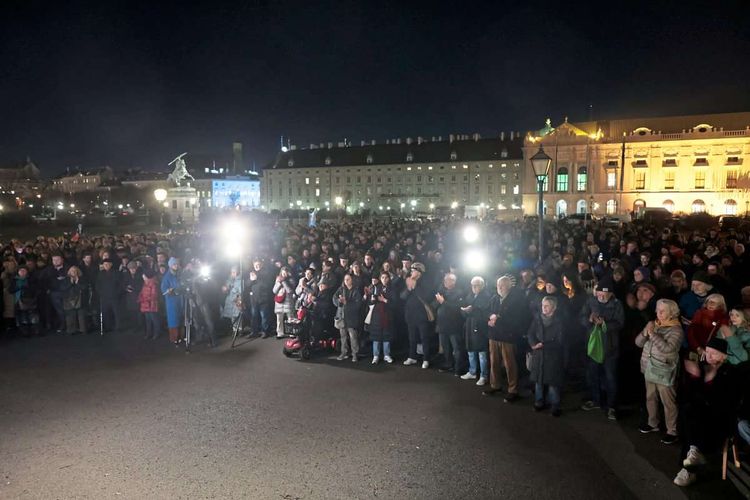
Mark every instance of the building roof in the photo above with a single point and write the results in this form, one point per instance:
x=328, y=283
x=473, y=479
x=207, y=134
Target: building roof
x=666, y=124
x=467, y=149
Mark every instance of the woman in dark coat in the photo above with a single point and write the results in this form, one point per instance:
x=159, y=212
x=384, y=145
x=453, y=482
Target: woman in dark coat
x=547, y=368
x=382, y=320
x=477, y=313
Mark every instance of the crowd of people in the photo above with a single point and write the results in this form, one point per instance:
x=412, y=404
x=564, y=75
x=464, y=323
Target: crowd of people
x=655, y=318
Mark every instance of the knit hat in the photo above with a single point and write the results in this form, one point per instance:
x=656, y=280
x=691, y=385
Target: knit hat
x=718, y=344
x=172, y=261
x=606, y=284
x=701, y=276
x=646, y=285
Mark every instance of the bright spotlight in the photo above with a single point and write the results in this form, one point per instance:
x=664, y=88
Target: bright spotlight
x=232, y=230
x=233, y=249
x=205, y=271
x=471, y=234
x=475, y=260
x=454, y=205
x=413, y=203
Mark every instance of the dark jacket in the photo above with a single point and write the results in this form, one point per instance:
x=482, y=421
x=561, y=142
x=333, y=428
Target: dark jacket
x=108, y=285
x=260, y=290
x=449, y=321
x=547, y=362
x=74, y=295
x=614, y=317
x=382, y=323
x=414, y=302
x=352, y=308
x=476, y=321
x=513, y=316
x=54, y=280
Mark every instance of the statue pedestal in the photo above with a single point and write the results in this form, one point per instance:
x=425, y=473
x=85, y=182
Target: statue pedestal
x=182, y=204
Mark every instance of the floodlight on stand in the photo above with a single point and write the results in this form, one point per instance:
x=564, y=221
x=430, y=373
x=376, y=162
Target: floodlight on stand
x=471, y=234
x=160, y=194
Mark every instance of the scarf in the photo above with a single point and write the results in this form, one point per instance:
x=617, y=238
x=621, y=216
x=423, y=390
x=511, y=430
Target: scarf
x=669, y=322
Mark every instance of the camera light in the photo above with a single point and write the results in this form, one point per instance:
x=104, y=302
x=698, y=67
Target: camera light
x=205, y=271
x=471, y=234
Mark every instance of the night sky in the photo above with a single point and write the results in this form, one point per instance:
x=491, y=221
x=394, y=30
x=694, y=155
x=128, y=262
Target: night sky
x=132, y=84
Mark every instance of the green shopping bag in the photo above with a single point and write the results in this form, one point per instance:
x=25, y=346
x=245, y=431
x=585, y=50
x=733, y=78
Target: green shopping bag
x=596, y=343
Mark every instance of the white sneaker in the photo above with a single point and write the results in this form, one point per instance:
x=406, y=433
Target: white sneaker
x=425, y=365
x=375, y=360
x=481, y=381
x=694, y=457
x=388, y=359
x=468, y=376
x=410, y=361
x=684, y=478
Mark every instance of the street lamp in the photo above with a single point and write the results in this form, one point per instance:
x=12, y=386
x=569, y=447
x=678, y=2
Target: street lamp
x=541, y=162
x=161, y=196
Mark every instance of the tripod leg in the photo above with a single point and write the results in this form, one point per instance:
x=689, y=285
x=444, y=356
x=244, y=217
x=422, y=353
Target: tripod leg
x=236, y=328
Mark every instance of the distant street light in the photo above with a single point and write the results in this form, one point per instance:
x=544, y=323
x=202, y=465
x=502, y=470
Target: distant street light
x=541, y=162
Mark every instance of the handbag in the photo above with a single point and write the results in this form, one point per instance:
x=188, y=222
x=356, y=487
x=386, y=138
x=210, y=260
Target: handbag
x=338, y=319
x=428, y=310
x=280, y=297
x=660, y=372
x=595, y=348
x=368, y=318
x=529, y=360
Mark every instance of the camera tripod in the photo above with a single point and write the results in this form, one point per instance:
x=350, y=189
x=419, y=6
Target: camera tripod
x=237, y=324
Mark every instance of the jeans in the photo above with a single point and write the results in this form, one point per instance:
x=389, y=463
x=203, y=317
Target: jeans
x=553, y=395
x=744, y=429
x=376, y=348
x=603, y=376
x=483, y=364
x=349, y=336
x=453, y=351
x=151, y=320
x=261, y=318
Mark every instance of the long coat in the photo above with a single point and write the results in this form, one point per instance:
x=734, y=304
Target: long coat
x=449, y=321
x=547, y=363
x=382, y=323
x=230, y=309
x=475, y=327
x=513, y=316
x=174, y=302
x=352, y=308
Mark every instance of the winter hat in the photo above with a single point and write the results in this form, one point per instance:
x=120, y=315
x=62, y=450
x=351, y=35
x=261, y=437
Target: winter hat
x=646, y=285
x=718, y=344
x=701, y=276
x=172, y=261
x=606, y=284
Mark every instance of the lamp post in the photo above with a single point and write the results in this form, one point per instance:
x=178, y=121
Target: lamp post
x=541, y=162
x=161, y=195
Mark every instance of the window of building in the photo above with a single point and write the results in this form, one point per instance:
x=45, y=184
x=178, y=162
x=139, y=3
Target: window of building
x=328, y=160
x=669, y=179
x=290, y=163
x=545, y=186
x=348, y=179
x=317, y=191
x=701, y=161
x=640, y=163
x=611, y=179
x=453, y=155
x=409, y=157
x=317, y=181
x=476, y=188
x=732, y=179
x=611, y=207
x=419, y=178
x=730, y=207
x=369, y=179
x=336, y=179
x=669, y=162
x=669, y=205
x=504, y=153
x=430, y=178
x=503, y=189
x=582, y=180
x=640, y=179
x=369, y=159
x=307, y=181
x=562, y=180
x=612, y=163
x=700, y=179
x=698, y=206
x=733, y=160
x=516, y=189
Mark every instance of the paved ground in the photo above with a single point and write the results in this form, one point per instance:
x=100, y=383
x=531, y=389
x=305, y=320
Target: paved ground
x=120, y=417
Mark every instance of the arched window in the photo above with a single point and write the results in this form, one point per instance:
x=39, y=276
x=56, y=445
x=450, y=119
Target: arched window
x=730, y=207
x=698, y=206
x=369, y=159
x=638, y=206
x=453, y=155
x=669, y=205
x=290, y=163
x=581, y=207
x=562, y=208
x=562, y=180
x=582, y=180
x=611, y=207
x=328, y=160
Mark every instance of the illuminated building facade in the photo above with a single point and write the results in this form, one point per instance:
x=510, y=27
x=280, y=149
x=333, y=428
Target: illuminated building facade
x=400, y=175
x=686, y=164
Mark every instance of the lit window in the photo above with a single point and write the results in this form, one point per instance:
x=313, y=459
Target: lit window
x=369, y=159
x=503, y=188
x=328, y=160
x=611, y=180
x=732, y=179
x=698, y=206
x=669, y=179
x=545, y=187
x=453, y=155
x=516, y=189
x=730, y=207
x=317, y=191
x=504, y=153
x=669, y=205
x=307, y=181
x=700, y=179
x=640, y=179
x=409, y=157
x=562, y=180
x=611, y=207
x=582, y=179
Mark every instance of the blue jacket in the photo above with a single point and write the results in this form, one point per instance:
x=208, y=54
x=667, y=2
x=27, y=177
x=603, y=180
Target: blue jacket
x=173, y=301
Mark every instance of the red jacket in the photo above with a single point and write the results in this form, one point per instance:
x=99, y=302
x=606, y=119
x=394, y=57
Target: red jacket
x=701, y=326
x=148, y=298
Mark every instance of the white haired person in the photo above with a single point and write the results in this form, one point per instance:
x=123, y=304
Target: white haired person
x=660, y=359
x=283, y=297
x=710, y=411
x=546, y=338
x=476, y=312
x=737, y=335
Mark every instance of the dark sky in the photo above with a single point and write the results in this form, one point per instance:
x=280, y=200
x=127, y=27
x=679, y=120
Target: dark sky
x=132, y=84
